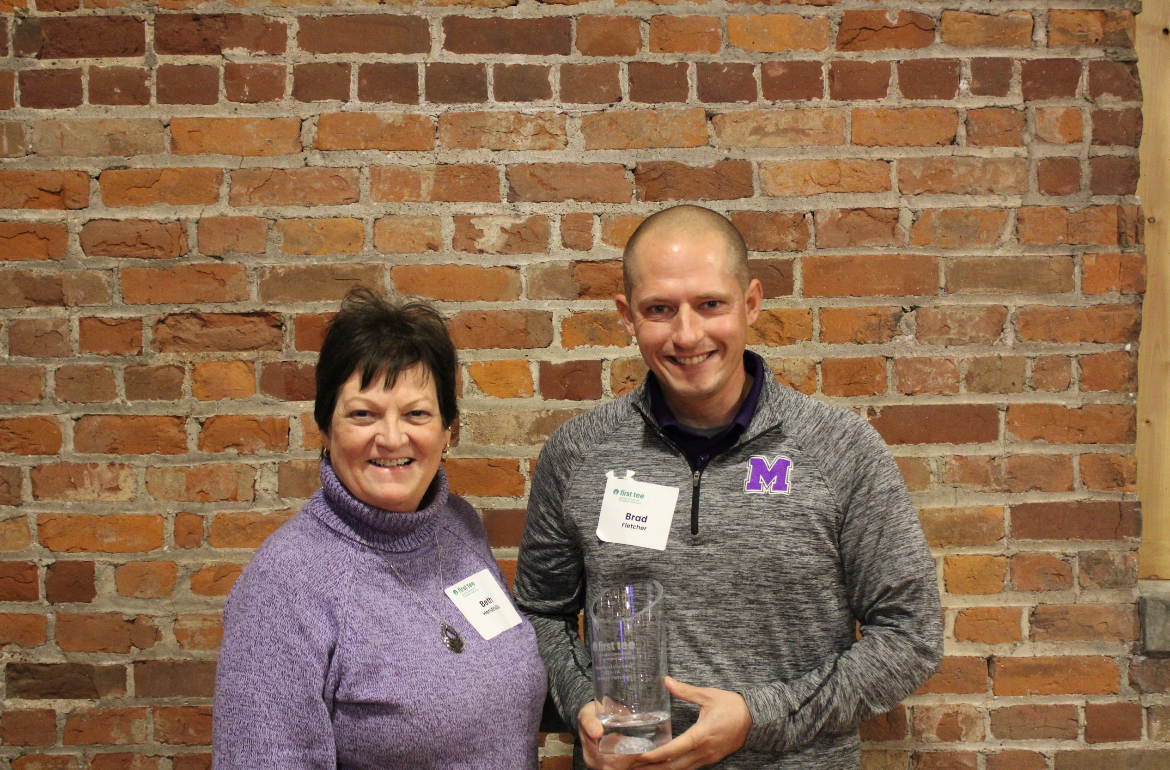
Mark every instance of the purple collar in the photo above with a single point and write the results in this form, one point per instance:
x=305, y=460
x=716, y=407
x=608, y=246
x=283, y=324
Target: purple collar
x=700, y=449
x=338, y=509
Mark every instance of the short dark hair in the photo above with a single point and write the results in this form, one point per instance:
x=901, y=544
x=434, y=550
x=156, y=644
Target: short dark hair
x=381, y=337
x=691, y=220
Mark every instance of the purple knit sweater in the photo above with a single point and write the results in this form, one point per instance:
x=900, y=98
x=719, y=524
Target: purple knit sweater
x=327, y=661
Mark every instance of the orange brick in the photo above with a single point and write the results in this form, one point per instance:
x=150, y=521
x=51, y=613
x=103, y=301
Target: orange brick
x=971, y=30
x=30, y=435
x=312, y=186
x=575, y=280
x=134, y=238
x=103, y=632
x=82, y=482
x=85, y=384
x=773, y=32
x=1084, y=623
x=243, y=530
x=202, y=483
x=869, y=276
x=1065, y=675
x=215, y=581
x=1107, y=273
x=959, y=675
x=816, y=177
x=112, y=533
x=1035, y=722
x=236, y=136
x=685, y=34
x=995, y=127
x=593, y=328
x=988, y=625
x=502, y=379
x=199, y=632
x=1059, y=125
x=1113, y=28
x=860, y=325
x=43, y=189
x=342, y=235
x=853, y=376
x=781, y=327
x=146, y=579
x=215, y=380
x=1089, y=424
x=963, y=176
x=220, y=236
x=974, y=574
x=183, y=725
x=407, y=235
x=503, y=131
x=1109, y=472
x=372, y=131
x=246, y=434
x=843, y=228
x=608, y=35
x=22, y=630
x=946, y=527
x=958, y=325
x=948, y=723
x=170, y=186
x=94, y=726
x=643, y=129
x=1047, y=226
x=501, y=234
x=876, y=31
x=455, y=182
x=32, y=241
x=779, y=128
x=130, y=434
x=905, y=127
x=457, y=283
x=184, y=284
x=926, y=374
x=957, y=228
x=1113, y=372
x=485, y=477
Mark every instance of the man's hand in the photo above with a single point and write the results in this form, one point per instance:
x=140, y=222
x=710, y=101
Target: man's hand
x=722, y=728
x=590, y=730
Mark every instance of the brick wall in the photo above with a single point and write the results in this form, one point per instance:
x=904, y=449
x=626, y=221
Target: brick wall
x=941, y=208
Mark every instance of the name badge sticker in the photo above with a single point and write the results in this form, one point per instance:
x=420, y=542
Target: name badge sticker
x=485, y=604
x=636, y=512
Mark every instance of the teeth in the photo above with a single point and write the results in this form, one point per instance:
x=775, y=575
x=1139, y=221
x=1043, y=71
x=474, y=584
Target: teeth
x=692, y=359
x=391, y=463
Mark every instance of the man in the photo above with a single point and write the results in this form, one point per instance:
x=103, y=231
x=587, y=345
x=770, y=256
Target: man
x=792, y=526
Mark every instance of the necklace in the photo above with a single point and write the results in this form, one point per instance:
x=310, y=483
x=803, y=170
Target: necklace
x=450, y=636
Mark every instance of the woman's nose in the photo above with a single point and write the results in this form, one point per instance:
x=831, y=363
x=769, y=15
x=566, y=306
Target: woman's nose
x=389, y=435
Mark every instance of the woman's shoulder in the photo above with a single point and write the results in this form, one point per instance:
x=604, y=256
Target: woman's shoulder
x=295, y=557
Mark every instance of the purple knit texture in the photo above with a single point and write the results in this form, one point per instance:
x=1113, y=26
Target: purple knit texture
x=328, y=661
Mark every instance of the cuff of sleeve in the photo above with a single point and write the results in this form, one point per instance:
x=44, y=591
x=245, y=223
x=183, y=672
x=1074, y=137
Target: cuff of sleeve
x=771, y=709
x=576, y=700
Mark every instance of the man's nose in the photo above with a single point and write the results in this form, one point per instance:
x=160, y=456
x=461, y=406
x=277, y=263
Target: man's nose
x=687, y=328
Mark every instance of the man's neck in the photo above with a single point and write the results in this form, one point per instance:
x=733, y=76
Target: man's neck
x=710, y=413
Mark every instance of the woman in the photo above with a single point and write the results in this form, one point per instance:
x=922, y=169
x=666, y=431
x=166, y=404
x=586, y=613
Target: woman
x=373, y=630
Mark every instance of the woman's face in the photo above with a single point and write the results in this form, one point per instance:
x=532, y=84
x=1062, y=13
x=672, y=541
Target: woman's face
x=386, y=442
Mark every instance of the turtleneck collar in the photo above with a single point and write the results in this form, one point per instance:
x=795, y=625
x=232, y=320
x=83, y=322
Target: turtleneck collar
x=386, y=530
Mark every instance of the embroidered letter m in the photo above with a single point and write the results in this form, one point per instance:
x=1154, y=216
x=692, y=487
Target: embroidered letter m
x=768, y=478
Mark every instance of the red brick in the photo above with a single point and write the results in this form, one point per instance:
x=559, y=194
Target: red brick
x=1055, y=225
x=995, y=127
x=212, y=34
x=154, y=383
x=457, y=283
x=775, y=276
x=111, y=533
x=183, y=725
x=30, y=435
x=792, y=80
x=500, y=35
x=608, y=35
x=22, y=384
x=79, y=37
x=1039, y=275
x=1099, y=323
x=125, y=86
x=102, y=632
x=1109, y=472
x=843, y=228
x=772, y=230
x=1035, y=722
x=43, y=189
x=309, y=237
x=215, y=581
x=321, y=81
x=364, y=33
x=963, y=176
x=853, y=376
x=521, y=83
x=1120, y=127
x=970, y=30
x=1058, y=176
x=28, y=727
x=449, y=83
x=18, y=581
x=186, y=84
x=503, y=131
x=134, y=238
x=199, y=632
x=1111, y=28
x=875, y=31
x=1075, y=520
x=1113, y=175
x=1115, y=372
x=948, y=723
x=558, y=182
x=65, y=680
x=298, y=478
x=455, y=183
x=575, y=280
x=146, y=580
x=13, y=533
x=658, y=82
x=638, y=129
x=774, y=32
x=974, y=574
x=388, y=82
x=226, y=332
x=220, y=236
x=251, y=83
x=591, y=83
x=110, y=336
x=83, y=482
x=571, y=380
x=243, y=433
x=312, y=186
x=781, y=327
x=685, y=34
x=960, y=675
x=243, y=530
x=315, y=283
x=1113, y=722
x=956, y=228
x=1059, y=125
x=779, y=128
x=236, y=136
x=501, y=234
x=860, y=325
x=171, y=186
x=188, y=531
x=407, y=235
x=1084, y=623
x=32, y=241
x=859, y=80
x=725, y=82
x=8, y=97
x=926, y=374
x=1063, y=675
x=1108, y=569
x=504, y=526
x=174, y=678
x=1114, y=78
x=938, y=424
x=482, y=477
x=22, y=630
x=508, y=329
x=202, y=483
x=27, y=288
x=988, y=625
x=577, y=231
x=670, y=180
x=85, y=384
x=593, y=328
x=870, y=275
x=288, y=380
x=929, y=78
x=130, y=434
x=890, y=726
x=184, y=284
x=905, y=127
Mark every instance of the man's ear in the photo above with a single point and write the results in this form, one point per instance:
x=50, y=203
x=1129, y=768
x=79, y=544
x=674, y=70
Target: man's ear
x=752, y=300
x=626, y=312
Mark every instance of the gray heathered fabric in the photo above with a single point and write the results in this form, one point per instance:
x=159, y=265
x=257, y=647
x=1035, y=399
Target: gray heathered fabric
x=764, y=599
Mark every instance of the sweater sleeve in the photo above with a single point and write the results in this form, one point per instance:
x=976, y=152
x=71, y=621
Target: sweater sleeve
x=270, y=708
x=550, y=583
x=892, y=590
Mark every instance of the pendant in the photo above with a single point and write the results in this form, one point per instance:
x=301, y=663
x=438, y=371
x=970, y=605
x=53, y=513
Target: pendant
x=451, y=638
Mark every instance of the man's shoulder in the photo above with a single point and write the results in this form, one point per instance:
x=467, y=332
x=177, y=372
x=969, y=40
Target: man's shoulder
x=815, y=422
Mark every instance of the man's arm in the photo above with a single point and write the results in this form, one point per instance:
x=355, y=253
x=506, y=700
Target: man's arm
x=893, y=591
x=550, y=584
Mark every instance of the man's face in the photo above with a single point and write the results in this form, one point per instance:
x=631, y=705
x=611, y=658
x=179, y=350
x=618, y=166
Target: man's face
x=690, y=317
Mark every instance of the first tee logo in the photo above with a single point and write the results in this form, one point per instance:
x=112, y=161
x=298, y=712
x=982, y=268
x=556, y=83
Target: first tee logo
x=768, y=477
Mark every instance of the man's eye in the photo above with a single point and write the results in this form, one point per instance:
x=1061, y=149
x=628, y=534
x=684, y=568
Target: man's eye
x=656, y=309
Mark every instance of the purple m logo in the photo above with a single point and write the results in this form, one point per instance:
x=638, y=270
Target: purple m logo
x=766, y=477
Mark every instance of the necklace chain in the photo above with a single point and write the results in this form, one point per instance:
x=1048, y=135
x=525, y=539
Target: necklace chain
x=451, y=637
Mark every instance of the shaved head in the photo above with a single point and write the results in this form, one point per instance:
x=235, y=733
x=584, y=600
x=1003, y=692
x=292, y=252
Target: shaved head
x=687, y=222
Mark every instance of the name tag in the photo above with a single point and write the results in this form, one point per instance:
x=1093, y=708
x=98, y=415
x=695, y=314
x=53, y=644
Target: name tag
x=485, y=604
x=635, y=512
